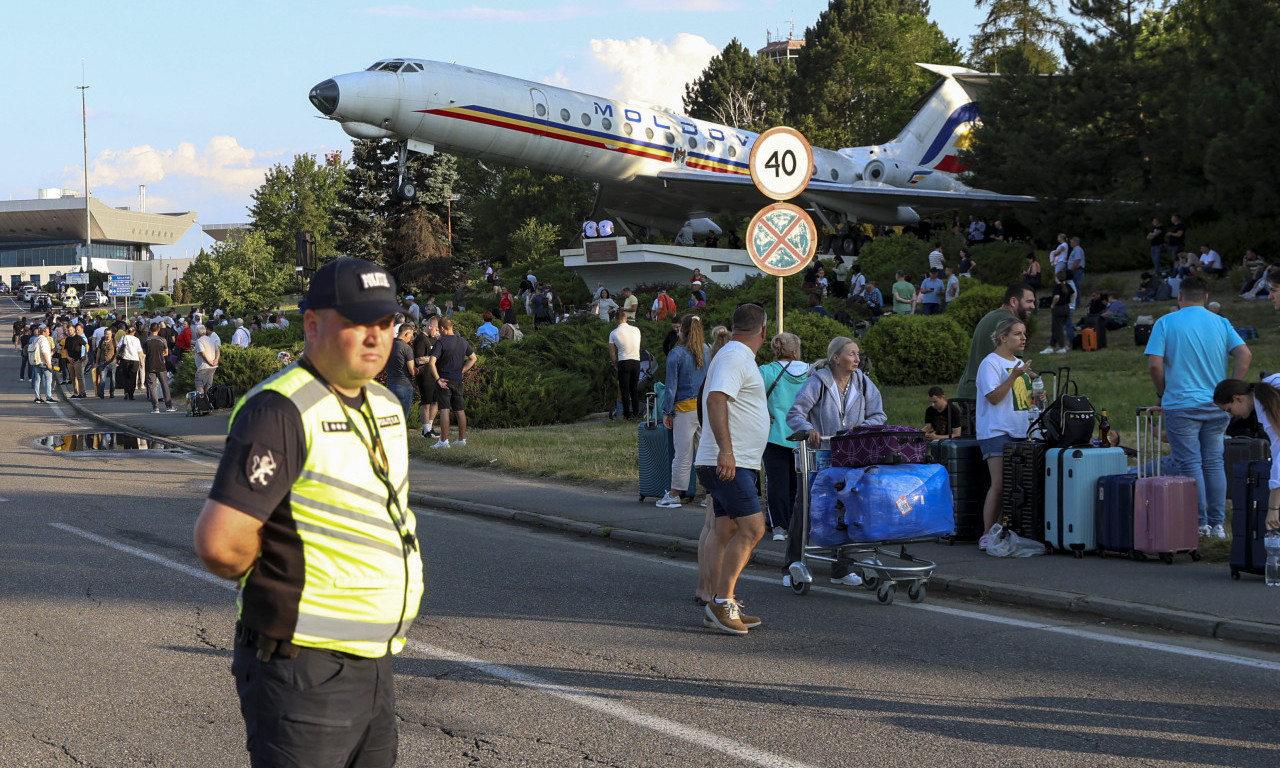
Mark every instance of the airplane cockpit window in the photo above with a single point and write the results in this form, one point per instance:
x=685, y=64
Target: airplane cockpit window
x=377, y=65
x=394, y=65
x=606, y=124
x=564, y=115
x=412, y=67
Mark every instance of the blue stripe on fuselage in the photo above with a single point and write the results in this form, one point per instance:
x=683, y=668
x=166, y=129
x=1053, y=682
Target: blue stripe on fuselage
x=965, y=114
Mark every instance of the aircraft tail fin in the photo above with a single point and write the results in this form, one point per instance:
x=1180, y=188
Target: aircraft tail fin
x=945, y=119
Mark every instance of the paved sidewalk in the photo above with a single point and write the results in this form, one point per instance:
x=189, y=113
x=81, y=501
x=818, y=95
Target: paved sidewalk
x=1193, y=598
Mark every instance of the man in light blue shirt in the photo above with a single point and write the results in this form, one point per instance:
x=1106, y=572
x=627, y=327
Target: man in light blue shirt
x=931, y=290
x=1187, y=357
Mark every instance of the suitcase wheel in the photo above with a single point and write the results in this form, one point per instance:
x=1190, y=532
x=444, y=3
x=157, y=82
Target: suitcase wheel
x=1139, y=556
x=1078, y=553
x=1166, y=558
x=1235, y=573
x=1195, y=555
x=885, y=593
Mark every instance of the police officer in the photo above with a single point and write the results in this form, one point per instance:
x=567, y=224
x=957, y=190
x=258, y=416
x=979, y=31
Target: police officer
x=309, y=513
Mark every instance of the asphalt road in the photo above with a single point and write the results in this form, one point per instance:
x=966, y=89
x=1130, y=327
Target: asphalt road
x=546, y=649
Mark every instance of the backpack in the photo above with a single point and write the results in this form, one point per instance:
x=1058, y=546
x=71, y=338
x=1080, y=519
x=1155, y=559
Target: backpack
x=222, y=396
x=1068, y=421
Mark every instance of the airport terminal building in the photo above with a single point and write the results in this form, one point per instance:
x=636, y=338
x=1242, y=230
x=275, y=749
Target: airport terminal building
x=45, y=237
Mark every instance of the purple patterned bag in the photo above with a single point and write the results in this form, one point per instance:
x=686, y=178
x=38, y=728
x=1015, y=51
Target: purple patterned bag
x=885, y=444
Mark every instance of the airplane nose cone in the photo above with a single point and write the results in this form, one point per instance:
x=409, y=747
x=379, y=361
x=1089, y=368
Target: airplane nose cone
x=324, y=97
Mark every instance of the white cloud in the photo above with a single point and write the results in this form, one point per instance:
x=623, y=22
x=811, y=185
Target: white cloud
x=223, y=165
x=653, y=71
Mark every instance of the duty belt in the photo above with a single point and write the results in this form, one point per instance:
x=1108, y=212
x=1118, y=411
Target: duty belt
x=267, y=647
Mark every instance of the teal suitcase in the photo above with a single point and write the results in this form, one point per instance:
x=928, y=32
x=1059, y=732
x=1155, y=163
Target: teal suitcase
x=1070, y=495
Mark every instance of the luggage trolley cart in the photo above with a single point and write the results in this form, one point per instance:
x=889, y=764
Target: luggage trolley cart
x=880, y=566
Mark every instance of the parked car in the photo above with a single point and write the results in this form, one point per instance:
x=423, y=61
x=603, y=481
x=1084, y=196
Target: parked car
x=92, y=299
x=141, y=292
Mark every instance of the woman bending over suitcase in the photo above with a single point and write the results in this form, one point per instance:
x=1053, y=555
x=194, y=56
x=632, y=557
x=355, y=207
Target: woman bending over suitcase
x=1242, y=398
x=836, y=396
x=1004, y=397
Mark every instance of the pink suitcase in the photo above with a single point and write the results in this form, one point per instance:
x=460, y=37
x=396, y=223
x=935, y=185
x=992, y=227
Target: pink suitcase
x=1166, y=512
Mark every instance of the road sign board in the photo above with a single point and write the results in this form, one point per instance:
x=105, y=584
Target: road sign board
x=781, y=163
x=120, y=285
x=781, y=239
x=78, y=278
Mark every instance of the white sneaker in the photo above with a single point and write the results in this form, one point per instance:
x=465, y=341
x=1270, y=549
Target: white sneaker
x=669, y=502
x=849, y=580
x=1218, y=532
x=1204, y=531
x=460, y=443
x=779, y=534
x=786, y=580
x=704, y=501
x=1047, y=351
x=441, y=444
x=1062, y=351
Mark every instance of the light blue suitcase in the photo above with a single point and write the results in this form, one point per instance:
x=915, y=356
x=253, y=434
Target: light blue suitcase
x=1070, y=494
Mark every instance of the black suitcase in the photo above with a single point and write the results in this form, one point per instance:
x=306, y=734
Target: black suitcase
x=1250, y=492
x=969, y=479
x=1141, y=334
x=1238, y=449
x=1022, y=502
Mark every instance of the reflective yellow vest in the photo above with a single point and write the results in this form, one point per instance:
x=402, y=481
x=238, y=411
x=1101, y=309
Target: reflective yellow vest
x=363, y=572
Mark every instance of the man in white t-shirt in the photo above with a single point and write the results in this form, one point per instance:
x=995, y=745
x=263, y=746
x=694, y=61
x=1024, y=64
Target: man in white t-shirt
x=953, y=285
x=735, y=429
x=1210, y=261
x=624, y=353
x=241, y=336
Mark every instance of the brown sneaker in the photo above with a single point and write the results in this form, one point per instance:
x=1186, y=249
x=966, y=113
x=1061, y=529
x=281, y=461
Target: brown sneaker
x=725, y=617
x=750, y=622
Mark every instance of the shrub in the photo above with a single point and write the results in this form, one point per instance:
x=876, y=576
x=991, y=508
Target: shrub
x=815, y=332
x=1001, y=263
x=241, y=368
x=975, y=300
x=917, y=350
x=504, y=390
x=884, y=256
x=156, y=301
x=278, y=338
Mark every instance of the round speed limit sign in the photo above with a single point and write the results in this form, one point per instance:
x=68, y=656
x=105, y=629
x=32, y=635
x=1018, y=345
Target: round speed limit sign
x=781, y=163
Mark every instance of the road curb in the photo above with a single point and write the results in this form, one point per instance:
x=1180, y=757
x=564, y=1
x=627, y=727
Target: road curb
x=1184, y=622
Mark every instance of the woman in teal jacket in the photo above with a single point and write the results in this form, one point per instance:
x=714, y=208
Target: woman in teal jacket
x=782, y=380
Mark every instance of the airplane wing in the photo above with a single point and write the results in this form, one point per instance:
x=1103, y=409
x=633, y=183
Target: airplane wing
x=677, y=194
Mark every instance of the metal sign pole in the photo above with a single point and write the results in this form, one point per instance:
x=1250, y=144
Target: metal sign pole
x=780, y=279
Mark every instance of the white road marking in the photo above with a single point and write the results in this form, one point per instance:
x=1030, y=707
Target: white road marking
x=201, y=462
x=707, y=739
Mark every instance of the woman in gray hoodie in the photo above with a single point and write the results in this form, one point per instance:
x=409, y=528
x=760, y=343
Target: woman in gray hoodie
x=836, y=396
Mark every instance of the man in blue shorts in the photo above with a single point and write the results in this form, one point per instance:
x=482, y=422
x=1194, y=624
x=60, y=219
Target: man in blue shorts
x=735, y=429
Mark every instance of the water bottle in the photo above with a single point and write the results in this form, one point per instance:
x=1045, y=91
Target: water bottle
x=1272, y=544
x=1038, y=401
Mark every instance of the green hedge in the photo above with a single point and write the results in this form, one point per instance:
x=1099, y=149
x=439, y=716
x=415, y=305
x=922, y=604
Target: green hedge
x=1002, y=264
x=917, y=350
x=241, y=368
x=156, y=301
x=883, y=257
x=975, y=300
x=815, y=332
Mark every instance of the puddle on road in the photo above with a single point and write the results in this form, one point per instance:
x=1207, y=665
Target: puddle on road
x=107, y=441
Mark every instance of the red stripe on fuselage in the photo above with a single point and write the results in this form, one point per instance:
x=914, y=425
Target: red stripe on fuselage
x=951, y=164
x=537, y=132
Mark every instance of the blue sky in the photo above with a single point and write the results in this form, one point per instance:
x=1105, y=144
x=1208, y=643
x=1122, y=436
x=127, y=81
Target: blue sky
x=197, y=101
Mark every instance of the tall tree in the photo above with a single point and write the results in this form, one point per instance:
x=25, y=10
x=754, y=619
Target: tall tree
x=498, y=199
x=240, y=275
x=740, y=89
x=407, y=237
x=298, y=198
x=1028, y=29
x=856, y=78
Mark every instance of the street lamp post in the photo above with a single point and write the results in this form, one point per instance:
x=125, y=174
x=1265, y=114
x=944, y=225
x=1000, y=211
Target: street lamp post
x=84, y=125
